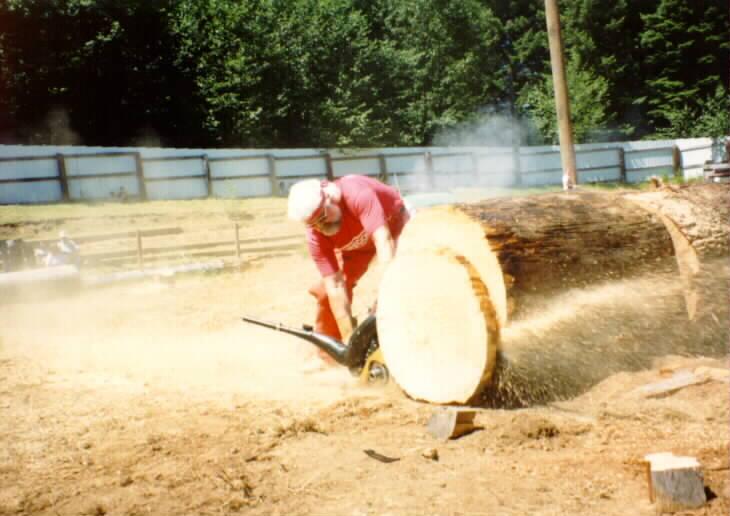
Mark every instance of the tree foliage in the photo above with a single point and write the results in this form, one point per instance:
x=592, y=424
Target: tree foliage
x=288, y=73
x=588, y=104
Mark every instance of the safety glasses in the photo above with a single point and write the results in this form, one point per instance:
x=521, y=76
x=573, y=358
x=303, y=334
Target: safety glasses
x=321, y=219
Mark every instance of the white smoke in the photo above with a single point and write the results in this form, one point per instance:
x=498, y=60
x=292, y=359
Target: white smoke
x=56, y=129
x=487, y=130
x=147, y=137
x=484, y=155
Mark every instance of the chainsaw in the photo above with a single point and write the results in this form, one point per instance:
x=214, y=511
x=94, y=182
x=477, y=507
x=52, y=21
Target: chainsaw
x=361, y=355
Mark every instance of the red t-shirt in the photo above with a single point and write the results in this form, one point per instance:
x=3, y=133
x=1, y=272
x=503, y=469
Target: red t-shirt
x=366, y=204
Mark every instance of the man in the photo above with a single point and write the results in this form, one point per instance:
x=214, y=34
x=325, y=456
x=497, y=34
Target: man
x=348, y=222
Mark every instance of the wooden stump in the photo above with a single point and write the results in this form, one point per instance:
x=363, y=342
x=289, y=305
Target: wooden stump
x=675, y=483
x=450, y=422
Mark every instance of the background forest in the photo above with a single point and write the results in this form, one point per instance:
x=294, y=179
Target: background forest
x=331, y=73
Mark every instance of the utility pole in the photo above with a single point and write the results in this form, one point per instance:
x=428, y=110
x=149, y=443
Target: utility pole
x=562, y=104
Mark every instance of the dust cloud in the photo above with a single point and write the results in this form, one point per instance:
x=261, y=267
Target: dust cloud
x=186, y=338
x=488, y=130
x=55, y=129
x=578, y=338
x=147, y=137
x=498, y=135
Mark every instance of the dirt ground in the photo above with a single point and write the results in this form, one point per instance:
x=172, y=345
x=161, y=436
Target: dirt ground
x=154, y=398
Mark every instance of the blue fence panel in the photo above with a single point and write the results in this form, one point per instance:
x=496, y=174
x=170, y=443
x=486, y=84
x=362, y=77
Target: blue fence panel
x=174, y=168
x=29, y=168
x=239, y=167
x=101, y=188
x=178, y=189
x=368, y=166
x=30, y=193
x=95, y=165
x=237, y=188
x=306, y=165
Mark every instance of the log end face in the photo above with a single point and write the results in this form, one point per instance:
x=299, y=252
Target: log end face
x=451, y=227
x=437, y=329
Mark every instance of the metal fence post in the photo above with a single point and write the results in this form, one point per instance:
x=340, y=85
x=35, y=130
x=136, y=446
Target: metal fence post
x=275, y=190
x=328, y=164
x=208, y=179
x=140, y=176
x=622, y=164
x=62, y=176
x=382, y=169
x=428, y=159
x=677, y=162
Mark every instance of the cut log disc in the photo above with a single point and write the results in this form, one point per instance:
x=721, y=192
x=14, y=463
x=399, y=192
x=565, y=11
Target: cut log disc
x=448, y=227
x=436, y=325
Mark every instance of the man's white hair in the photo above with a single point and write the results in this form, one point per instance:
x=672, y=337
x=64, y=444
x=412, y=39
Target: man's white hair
x=304, y=199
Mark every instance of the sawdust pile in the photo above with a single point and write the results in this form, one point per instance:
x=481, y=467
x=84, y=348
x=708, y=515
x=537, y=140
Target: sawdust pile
x=576, y=339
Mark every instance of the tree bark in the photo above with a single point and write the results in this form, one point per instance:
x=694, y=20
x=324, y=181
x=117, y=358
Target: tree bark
x=697, y=219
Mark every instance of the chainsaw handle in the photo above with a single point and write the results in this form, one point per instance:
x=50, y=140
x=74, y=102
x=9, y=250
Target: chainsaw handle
x=352, y=355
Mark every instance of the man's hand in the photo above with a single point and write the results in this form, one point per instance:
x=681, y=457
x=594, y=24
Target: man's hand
x=340, y=305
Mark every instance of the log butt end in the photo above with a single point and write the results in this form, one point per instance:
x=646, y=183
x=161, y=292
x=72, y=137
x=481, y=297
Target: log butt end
x=437, y=329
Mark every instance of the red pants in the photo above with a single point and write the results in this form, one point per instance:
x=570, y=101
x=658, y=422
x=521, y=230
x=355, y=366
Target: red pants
x=353, y=265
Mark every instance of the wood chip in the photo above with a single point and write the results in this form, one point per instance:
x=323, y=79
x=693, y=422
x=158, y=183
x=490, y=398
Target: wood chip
x=450, y=423
x=379, y=457
x=680, y=380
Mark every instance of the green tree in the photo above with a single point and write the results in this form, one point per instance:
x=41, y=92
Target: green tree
x=709, y=117
x=588, y=94
x=604, y=37
x=686, y=46
x=103, y=64
x=448, y=53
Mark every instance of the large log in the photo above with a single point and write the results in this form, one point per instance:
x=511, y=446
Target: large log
x=569, y=254
x=529, y=246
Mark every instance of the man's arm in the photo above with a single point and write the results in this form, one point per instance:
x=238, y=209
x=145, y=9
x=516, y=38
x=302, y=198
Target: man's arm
x=384, y=245
x=334, y=284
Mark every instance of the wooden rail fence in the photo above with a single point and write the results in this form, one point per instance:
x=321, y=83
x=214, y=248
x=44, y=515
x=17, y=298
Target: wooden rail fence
x=140, y=254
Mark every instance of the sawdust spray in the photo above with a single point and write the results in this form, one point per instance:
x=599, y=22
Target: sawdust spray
x=573, y=340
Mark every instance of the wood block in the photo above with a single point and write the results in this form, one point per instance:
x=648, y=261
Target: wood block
x=680, y=380
x=675, y=483
x=450, y=423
